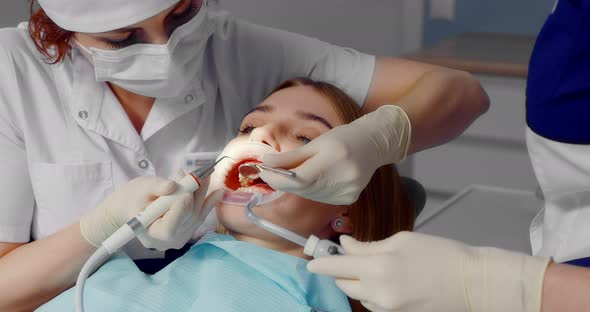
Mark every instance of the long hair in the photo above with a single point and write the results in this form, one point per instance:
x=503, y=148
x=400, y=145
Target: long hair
x=383, y=207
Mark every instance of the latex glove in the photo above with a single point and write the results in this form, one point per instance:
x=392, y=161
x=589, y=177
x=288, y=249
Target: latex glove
x=335, y=167
x=211, y=222
x=197, y=220
x=415, y=272
x=170, y=231
x=178, y=225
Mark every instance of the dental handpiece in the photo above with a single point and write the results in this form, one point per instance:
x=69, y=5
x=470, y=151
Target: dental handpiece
x=312, y=246
x=188, y=184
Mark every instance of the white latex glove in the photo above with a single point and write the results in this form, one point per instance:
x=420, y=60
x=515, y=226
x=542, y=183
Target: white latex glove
x=335, y=167
x=178, y=225
x=411, y=272
x=172, y=230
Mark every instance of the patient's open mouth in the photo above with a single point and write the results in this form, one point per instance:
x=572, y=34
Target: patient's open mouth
x=236, y=182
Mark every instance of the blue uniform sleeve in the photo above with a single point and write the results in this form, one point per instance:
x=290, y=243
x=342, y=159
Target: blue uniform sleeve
x=558, y=89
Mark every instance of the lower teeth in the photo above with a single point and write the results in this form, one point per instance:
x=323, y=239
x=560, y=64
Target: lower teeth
x=246, y=190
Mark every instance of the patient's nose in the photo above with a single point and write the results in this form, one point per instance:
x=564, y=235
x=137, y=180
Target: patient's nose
x=266, y=136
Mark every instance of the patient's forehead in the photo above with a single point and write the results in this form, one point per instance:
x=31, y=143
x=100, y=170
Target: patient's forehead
x=302, y=98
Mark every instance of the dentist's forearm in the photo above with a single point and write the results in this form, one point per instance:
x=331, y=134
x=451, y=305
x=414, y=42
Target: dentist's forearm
x=440, y=102
x=33, y=274
x=566, y=288
x=441, y=106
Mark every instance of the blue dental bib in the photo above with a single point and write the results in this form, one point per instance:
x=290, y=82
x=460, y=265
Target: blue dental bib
x=218, y=274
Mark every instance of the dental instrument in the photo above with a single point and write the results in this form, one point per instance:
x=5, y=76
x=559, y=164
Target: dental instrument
x=252, y=170
x=190, y=183
x=312, y=246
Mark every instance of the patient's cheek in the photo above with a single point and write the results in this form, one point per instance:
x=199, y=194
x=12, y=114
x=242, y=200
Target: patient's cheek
x=228, y=214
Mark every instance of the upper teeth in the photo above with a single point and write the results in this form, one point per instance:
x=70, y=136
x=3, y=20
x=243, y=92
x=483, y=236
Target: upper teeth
x=244, y=181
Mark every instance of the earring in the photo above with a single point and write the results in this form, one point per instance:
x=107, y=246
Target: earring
x=338, y=223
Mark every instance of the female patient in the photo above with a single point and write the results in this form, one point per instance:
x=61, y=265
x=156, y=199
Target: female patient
x=249, y=269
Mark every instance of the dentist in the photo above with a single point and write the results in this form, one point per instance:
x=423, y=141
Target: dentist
x=95, y=93
x=411, y=272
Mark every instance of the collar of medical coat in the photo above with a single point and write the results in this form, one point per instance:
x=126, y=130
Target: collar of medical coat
x=92, y=16
x=239, y=151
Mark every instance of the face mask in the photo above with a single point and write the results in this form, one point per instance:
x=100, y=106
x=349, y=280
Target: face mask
x=156, y=70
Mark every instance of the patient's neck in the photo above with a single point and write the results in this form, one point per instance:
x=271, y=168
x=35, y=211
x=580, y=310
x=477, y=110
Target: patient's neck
x=281, y=245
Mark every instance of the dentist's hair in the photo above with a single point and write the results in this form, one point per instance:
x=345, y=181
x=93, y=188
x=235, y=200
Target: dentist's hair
x=383, y=208
x=52, y=41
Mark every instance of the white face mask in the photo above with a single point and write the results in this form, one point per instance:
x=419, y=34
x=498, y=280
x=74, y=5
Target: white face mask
x=156, y=70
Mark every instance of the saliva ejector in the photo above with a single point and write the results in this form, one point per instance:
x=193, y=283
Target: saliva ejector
x=312, y=246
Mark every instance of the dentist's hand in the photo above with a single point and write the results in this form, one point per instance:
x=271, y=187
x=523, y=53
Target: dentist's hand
x=178, y=225
x=335, y=167
x=172, y=230
x=411, y=272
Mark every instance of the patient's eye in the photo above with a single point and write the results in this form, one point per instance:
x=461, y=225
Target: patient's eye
x=303, y=139
x=246, y=129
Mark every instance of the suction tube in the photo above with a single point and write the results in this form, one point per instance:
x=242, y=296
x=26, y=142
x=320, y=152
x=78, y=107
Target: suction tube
x=273, y=228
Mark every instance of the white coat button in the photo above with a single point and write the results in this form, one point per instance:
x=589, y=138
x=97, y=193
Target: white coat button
x=143, y=164
x=189, y=98
x=83, y=114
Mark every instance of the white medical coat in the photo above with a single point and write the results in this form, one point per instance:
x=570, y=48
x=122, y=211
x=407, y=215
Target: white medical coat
x=66, y=143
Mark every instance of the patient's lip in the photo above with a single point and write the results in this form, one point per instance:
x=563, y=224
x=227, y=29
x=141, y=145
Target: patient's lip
x=238, y=151
x=242, y=198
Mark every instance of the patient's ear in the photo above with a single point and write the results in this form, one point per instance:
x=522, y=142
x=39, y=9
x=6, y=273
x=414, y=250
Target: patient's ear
x=342, y=224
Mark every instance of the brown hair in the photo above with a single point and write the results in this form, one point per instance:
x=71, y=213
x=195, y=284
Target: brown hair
x=52, y=41
x=383, y=207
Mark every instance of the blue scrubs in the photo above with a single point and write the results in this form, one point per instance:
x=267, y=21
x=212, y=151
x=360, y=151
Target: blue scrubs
x=558, y=113
x=585, y=262
x=558, y=89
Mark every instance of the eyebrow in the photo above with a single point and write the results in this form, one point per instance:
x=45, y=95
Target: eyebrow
x=314, y=117
x=300, y=114
x=261, y=108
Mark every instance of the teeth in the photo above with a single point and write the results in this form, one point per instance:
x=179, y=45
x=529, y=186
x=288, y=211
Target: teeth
x=245, y=182
x=246, y=190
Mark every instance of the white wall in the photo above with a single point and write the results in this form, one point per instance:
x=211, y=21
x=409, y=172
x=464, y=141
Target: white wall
x=13, y=12
x=371, y=26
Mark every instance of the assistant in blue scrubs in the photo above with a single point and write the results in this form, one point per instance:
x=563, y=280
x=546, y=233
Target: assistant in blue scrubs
x=558, y=134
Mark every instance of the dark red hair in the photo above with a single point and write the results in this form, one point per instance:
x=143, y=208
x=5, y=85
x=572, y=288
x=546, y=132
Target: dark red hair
x=51, y=40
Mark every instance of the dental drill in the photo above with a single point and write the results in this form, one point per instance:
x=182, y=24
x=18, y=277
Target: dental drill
x=188, y=184
x=312, y=246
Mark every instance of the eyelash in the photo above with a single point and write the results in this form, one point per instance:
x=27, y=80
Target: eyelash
x=177, y=20
x=247, y=129
x=193, y=8
x=303, y=139
x=123, y=43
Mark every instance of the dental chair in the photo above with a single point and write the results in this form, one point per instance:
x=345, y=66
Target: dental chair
x=416, y=192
